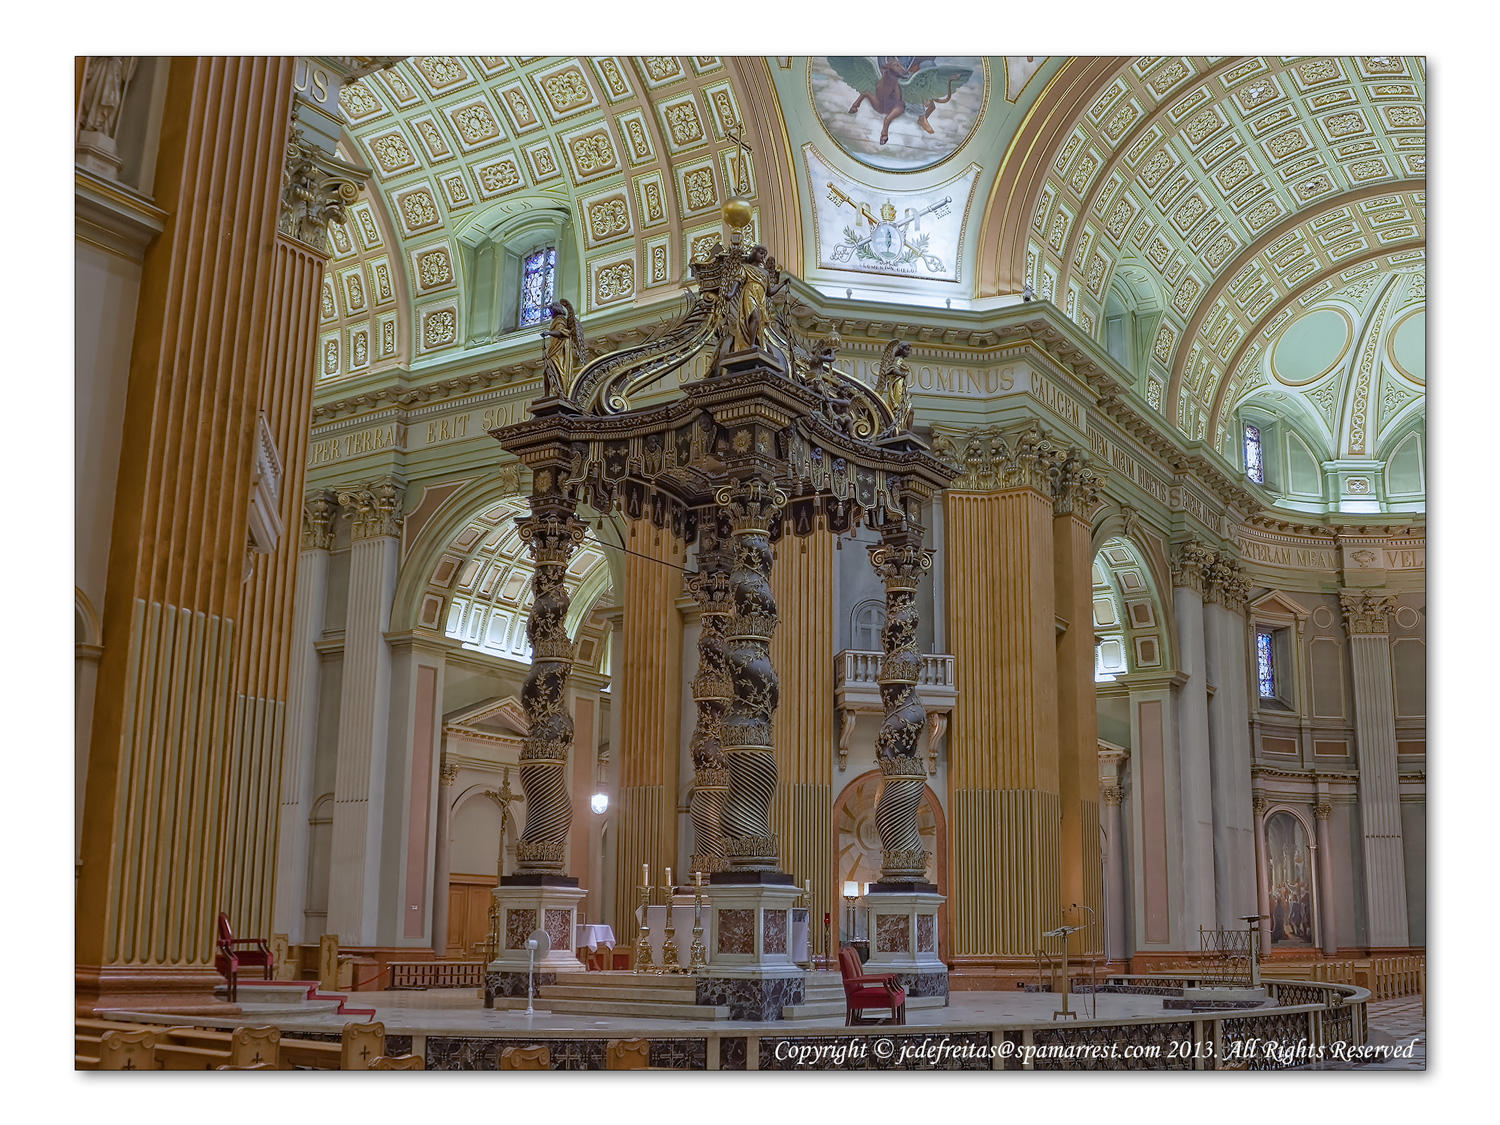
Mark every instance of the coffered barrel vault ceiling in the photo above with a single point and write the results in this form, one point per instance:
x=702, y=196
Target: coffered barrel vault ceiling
x=1236, y=196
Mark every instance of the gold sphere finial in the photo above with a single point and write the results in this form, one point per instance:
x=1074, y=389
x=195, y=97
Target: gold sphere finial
x=737, y=212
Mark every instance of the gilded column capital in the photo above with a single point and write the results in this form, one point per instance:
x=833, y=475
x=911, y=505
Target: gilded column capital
x=989, y=458
x=1224, y=584
x=1111, y=794
x=1077, y=488
x=447, y=774
x=318, y=511
x=1323, y=812
x=1367, y=613
x=316, y=189
x=1259, y=803
x=1190, y=564
x=374, y=508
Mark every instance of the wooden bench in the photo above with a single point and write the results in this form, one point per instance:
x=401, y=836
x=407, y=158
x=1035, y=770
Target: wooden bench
x=397, y=1062
x=115, y=1049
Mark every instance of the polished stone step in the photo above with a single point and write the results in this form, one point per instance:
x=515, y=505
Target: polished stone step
x=641, y=1009
x=681, y=994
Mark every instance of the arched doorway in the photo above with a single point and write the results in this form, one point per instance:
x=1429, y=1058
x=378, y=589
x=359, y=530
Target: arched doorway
x=857, y=852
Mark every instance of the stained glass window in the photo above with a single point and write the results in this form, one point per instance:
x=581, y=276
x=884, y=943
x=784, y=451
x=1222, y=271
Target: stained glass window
x=538, y=285
x=1254, y=467
x=1265, y=663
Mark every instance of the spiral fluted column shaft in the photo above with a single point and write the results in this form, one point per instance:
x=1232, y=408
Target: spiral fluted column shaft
x=745, y=733
x=900, y=560
x=552, y=532
x=713, y=689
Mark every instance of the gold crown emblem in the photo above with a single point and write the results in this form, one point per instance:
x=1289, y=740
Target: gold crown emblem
x=887, y=211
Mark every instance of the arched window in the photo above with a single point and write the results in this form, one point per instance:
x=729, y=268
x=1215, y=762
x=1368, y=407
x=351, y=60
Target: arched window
x=868, y=621
x=1255, y=465
x=518, y=260
x=1265, y=662
x=538, y=284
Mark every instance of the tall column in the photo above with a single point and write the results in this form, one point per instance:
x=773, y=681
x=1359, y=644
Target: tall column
x=1258, y=806
x=1229, y=741
x=540, y=895
x=712, y=691
x=1076, y=500
x=300, y=754
x=441, y=857
x=1195, y=780
x=745, y=733
x=650, y=651
x=1111, y=784
x=374, y=513
x=902, y=906
x=750, y=965
x=1327, y=912
x=1367, y=618
x=1116, y=948
x=1003, y=749
x=161, y=756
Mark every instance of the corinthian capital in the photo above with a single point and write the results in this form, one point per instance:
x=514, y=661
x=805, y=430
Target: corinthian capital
x=374, y=509
x=1223, y=584
x=1190, y=565
x=318, y=511
x=1367, y=613
x=316, y=188
x=990, y=458
x=1076, y=490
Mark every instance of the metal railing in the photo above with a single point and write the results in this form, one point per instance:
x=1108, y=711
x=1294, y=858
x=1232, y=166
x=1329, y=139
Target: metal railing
x=1227, y=957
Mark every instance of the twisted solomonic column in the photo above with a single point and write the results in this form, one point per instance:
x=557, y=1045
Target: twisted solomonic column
x=553, y=532
x=745, y=733
x=713, y=689
x=900, y=560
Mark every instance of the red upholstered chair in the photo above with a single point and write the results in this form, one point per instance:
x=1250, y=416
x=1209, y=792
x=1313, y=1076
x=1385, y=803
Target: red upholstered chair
x=862, y=993
x=236, y=953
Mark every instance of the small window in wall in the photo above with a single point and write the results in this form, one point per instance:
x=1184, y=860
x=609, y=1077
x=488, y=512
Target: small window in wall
x=869, y=621
x=538, y=284
x=1255, y=467
x=1265, y=661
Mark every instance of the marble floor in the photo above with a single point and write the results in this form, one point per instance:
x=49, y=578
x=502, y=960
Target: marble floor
x=1399, y=1022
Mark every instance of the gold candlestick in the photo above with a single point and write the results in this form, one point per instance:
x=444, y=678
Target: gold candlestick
x=643, y=942
x=698, y=956
x=669, y=960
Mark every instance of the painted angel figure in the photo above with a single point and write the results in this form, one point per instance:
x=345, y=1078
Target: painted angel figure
x=565, y=350
x=894, y=84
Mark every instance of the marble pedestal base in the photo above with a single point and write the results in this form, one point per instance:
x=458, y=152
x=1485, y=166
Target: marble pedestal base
x=750, y=966
x=544, y=903
x=903, y=937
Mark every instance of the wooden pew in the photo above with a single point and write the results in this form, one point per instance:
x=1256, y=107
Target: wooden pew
x=526, y=1058
x=361, y=1043
x=397, y=1062
x=115, y=1050
x=627, y=1054
x=195, y=1048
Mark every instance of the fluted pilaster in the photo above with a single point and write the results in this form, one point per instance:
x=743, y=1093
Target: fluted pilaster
x=802, y=581
x=1367, y=618
x=161, y=757
x=373, y=510
x=650, y=700
x=1003, y=752
x=309, y=609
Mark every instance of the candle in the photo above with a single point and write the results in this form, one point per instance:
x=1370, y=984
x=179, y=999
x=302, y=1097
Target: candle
x=668, y=883
x=645, y=874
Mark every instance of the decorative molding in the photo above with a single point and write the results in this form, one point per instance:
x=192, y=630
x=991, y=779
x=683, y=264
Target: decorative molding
x=1190, y=564
x=1224, y=583
x=374, y=508
x=1366, y=612
x=318, y=512
x=316, y=189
